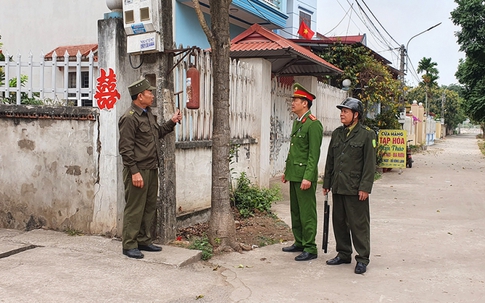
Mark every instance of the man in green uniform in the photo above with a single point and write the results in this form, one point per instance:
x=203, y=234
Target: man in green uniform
x=302, y=172
x=139, y=148
x=349, y=173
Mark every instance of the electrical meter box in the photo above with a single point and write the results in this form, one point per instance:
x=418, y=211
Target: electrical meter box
x=142, y=26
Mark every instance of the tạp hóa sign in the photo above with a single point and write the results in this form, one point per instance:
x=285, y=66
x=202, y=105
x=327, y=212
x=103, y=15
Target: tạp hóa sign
x=391, y=149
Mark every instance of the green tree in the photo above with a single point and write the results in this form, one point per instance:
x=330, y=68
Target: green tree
x=470, y=16
x=372, y=81
x=12, y=99
x=446, y=100
x=222, y=231
x=430, y=72
x=453, y=112
x=430, y=77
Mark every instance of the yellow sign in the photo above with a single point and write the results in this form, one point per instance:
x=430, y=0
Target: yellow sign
x=391, y=151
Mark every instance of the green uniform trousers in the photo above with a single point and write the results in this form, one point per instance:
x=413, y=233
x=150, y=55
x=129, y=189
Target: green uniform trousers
x=350, y=218
x=303, y=209
x=140, y=208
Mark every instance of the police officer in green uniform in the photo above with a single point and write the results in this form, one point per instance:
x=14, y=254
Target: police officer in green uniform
x=349, y=173
x=139, y=147
x=302, y=172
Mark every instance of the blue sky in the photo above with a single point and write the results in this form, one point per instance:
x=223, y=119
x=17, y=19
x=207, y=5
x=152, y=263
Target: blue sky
x=402, y=19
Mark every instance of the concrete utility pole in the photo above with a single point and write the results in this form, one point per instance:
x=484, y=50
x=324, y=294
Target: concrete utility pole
x=166, y=208
x=401, y=78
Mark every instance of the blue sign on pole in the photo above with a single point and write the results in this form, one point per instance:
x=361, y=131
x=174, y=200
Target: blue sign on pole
x=138, y=28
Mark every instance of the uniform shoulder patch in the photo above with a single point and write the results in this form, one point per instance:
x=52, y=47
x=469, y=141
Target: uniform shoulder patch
x=132, y=112
x=312, y=117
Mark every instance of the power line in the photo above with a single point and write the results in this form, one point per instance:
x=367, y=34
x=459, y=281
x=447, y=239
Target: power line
x=379, y=36
x=373, y=26
x=349, y=16
x=339, y=21
x=414, y=73
x=382, y=43
x=380, y=23
x=369, y=29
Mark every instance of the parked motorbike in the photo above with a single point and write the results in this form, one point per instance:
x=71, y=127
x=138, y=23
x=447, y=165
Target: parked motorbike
x=409, y=157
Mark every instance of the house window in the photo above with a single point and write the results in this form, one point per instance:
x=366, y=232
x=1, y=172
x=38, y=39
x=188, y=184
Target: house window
x=275, y=3
x=84, y=84
x=306, y=18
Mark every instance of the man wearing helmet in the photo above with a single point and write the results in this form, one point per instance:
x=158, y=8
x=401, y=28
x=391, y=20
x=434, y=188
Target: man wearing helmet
x=349, y=174
x=302, y=172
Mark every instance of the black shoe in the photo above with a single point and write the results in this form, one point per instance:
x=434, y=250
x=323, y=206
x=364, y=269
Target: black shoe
x=150, y=247
x=360, y=268
x=305, y=256
x=133, y=253
x=337, y=261
x=292, y=248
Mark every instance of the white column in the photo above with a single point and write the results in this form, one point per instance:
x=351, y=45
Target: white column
x=109, y=190
x=260, y=152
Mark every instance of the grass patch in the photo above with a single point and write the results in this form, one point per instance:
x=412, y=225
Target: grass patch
x=249, y=198
x=203, y=245
x=73, y=232
x=265, y=241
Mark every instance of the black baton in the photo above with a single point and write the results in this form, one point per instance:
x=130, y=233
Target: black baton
x=326, y=219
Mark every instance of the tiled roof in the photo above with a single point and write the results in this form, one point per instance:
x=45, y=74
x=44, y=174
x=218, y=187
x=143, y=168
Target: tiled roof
x=342, y=39
x=287, y=57
x=72, y=50
x=322, y=42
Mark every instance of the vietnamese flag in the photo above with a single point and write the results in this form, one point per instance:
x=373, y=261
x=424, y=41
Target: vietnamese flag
x=305, y=31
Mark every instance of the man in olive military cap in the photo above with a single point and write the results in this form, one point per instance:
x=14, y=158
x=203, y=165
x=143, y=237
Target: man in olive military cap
x=139, y=148
x=302, y=172
x=349, y=173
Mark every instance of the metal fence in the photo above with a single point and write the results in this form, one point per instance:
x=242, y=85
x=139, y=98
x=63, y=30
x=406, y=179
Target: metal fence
x=69, y=80
x=62, y=80
x=197, y=123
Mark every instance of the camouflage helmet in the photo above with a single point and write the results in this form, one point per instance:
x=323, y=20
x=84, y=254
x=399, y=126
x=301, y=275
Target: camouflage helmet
x=354, y=105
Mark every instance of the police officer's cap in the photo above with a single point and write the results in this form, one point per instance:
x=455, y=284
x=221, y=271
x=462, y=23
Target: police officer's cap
x=300, y=92
x=139, y=86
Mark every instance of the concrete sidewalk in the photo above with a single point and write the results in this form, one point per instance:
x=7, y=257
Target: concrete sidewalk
x=427, y=238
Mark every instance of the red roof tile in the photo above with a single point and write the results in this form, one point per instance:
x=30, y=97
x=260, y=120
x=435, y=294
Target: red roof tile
x=258, y=41
x=72, y=50
x=322, y=42
x=342, y=39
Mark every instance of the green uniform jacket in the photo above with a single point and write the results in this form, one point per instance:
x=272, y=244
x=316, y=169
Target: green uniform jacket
x=351, y=161
x=304, y=153
x=139, y=143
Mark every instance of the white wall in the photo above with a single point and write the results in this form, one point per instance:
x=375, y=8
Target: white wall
x=34, y=28
x=41, y=26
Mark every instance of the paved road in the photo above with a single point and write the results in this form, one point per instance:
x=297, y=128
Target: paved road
x=427, y=246
x=426, y=233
